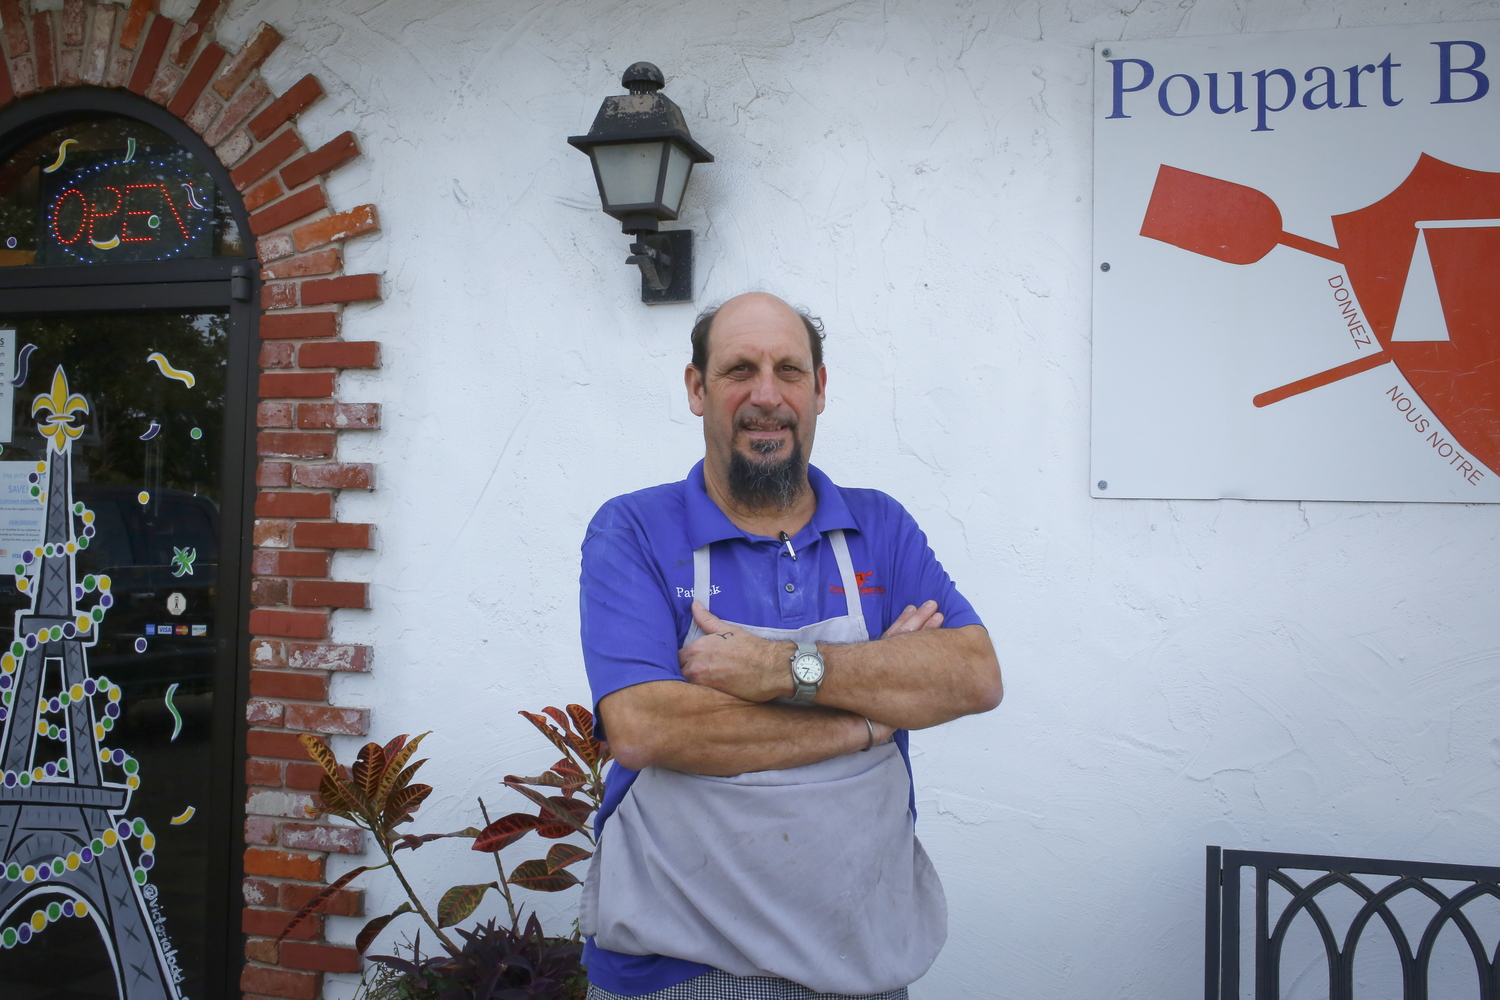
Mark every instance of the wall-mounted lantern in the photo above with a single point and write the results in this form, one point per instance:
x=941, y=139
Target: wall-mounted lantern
x=643, y=155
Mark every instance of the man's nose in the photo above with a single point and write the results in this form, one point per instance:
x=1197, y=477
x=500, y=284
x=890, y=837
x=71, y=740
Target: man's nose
x=765, y=391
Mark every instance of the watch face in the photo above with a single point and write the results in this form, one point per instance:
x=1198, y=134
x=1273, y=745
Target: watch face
x=808, y=668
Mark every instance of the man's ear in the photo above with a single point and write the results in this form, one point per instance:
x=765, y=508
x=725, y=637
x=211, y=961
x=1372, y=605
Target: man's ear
x=693, y=378
x=822, y=387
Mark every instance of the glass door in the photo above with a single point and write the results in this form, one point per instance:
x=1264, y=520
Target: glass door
x=126, y=349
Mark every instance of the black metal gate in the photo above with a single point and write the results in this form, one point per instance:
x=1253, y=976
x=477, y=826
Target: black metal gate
x=1414, y=944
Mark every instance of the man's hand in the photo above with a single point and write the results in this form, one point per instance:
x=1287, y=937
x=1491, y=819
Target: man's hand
x=914, y=619
x=732, y=660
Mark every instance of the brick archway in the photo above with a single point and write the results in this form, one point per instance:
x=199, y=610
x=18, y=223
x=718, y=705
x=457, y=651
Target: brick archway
x=298, y=236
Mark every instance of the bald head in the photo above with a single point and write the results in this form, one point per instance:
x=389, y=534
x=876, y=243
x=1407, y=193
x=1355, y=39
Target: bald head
x=756, y=308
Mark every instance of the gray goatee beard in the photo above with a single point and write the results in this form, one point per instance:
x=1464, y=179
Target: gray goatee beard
x=767, y=484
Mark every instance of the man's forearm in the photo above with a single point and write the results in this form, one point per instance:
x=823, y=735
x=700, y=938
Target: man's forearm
x=687, y=727
x=915, y=680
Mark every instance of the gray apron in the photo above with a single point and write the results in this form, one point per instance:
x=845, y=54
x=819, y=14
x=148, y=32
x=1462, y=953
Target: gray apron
x=812, y=874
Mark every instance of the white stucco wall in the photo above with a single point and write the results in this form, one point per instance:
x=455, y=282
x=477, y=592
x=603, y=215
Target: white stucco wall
x=1315, y=677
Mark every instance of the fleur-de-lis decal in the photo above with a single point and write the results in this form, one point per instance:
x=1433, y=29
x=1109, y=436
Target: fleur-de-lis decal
x=61, y=404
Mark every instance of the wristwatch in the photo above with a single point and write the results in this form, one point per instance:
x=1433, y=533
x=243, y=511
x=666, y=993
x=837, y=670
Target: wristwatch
x=807, y=672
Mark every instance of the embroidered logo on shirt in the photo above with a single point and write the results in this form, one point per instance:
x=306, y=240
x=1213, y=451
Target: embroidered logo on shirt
x=860, y=579
x=692, y=595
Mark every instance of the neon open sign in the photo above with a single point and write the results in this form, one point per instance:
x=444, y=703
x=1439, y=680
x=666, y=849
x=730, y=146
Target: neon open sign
x=125, y=205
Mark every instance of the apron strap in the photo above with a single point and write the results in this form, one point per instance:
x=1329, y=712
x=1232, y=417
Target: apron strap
x=701, y=585
x=846, y=571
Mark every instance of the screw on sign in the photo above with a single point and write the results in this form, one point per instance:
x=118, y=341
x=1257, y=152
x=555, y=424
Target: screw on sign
x=1422, y=262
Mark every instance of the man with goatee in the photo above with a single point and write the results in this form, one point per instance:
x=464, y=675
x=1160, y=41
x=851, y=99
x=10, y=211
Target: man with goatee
x=759, y=641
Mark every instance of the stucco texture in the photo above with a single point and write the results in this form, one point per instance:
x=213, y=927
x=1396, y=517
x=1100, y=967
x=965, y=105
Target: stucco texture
x=1315, y=677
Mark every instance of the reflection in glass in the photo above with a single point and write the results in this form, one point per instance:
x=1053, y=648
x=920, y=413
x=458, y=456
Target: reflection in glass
x=110, y=190
x=137, y=448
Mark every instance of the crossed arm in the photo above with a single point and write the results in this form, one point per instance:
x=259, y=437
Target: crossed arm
x=916, y=675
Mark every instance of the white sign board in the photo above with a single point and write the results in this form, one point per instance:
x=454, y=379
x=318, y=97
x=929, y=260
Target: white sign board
x=7, y=391
x=23, y=521
x=1302, y=292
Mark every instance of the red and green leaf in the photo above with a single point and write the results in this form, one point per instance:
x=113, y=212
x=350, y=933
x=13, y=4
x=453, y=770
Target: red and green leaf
x=394, y=764
x=402, y=804
x=548, y=778
x=371, y=930
x=319, y=752
x=412, y=841
x=563, y=855
x=583, y=721
x=505, y=831
x=552, y=734
x=538, y=876
x=460, y=901
x=554, y=807
x=369, y=768
x=336, y=798
x=322, y=897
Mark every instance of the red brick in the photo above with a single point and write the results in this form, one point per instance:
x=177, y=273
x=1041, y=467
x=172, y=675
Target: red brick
x=259, y=892
x=23, y=75
x=304, y=776
x=7, y=92
x=265, y=773
x=288, y=210
x=197, y=78
x=280, y=802
x=163, y=83
x=320, y=957
x=41, y=33
x=328, y=719
x=289, y=684
x=322, y=262
x=234, y=148
x=260, y=45
x=289, y=624
x=96, y=56
x=335, y=476
x=192, y=32
x=274, y=247
x=270, y=923
x=335, y=228
x=297, y=99
x=274, y=534
x=340, y=354
x=263, y=193
x=260, y=712
x=294, y=505
x=273, y=743
x=299, y=385
x=260, y=831
x=294, y=444
x=262, y=950
x=237, y=110
x=343, y=903
x=74, y=13
x=339, y=416
x=274, y=413
x=16, y=41
x=330, y=594
x=283, y=864
x=135, y=20
x=279, y=295
x=264, y=161
x=332, y=535
x=326, y=656
x=203, y=112
x=151, y=52
x=269, y=593
x=329, y=156
x=299, y=326
x=280, y=983
x=313, y=837
x=273, y=563
x=69, y=67
x=278, y=354
x=267, y=652
x=349, y=288
x=273, y=474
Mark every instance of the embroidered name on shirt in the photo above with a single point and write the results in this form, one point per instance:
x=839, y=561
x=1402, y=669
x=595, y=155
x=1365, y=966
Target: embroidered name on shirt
x=692, y=595
x=860, y=579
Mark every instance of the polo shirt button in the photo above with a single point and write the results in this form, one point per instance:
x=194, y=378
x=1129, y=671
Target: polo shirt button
x=790, y=588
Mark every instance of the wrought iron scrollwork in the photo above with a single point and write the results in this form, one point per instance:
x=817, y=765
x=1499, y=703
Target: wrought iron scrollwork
x=1222, y=928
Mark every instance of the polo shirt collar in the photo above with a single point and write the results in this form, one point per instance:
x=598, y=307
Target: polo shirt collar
x=707, y=523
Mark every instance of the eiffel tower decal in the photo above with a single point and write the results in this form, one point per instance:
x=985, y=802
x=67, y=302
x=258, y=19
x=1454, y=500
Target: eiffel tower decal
x=64, y=832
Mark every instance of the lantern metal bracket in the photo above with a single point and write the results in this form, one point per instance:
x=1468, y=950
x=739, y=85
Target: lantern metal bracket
x=666, y=262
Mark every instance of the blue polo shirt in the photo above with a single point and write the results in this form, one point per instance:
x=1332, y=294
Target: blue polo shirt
x=635, y=597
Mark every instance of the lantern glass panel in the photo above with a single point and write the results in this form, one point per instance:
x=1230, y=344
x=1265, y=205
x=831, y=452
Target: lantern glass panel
x=628, y=172
x=679, y=165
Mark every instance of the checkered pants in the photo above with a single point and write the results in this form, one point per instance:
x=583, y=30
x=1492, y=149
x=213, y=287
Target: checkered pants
x=720, y=985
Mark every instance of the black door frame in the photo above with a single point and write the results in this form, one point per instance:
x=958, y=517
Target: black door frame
x=230, y=285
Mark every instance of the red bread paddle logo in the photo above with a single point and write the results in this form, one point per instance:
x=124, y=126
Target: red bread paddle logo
x=1423, y=263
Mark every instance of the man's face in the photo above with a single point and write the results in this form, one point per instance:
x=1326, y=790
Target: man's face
x=760, y=396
